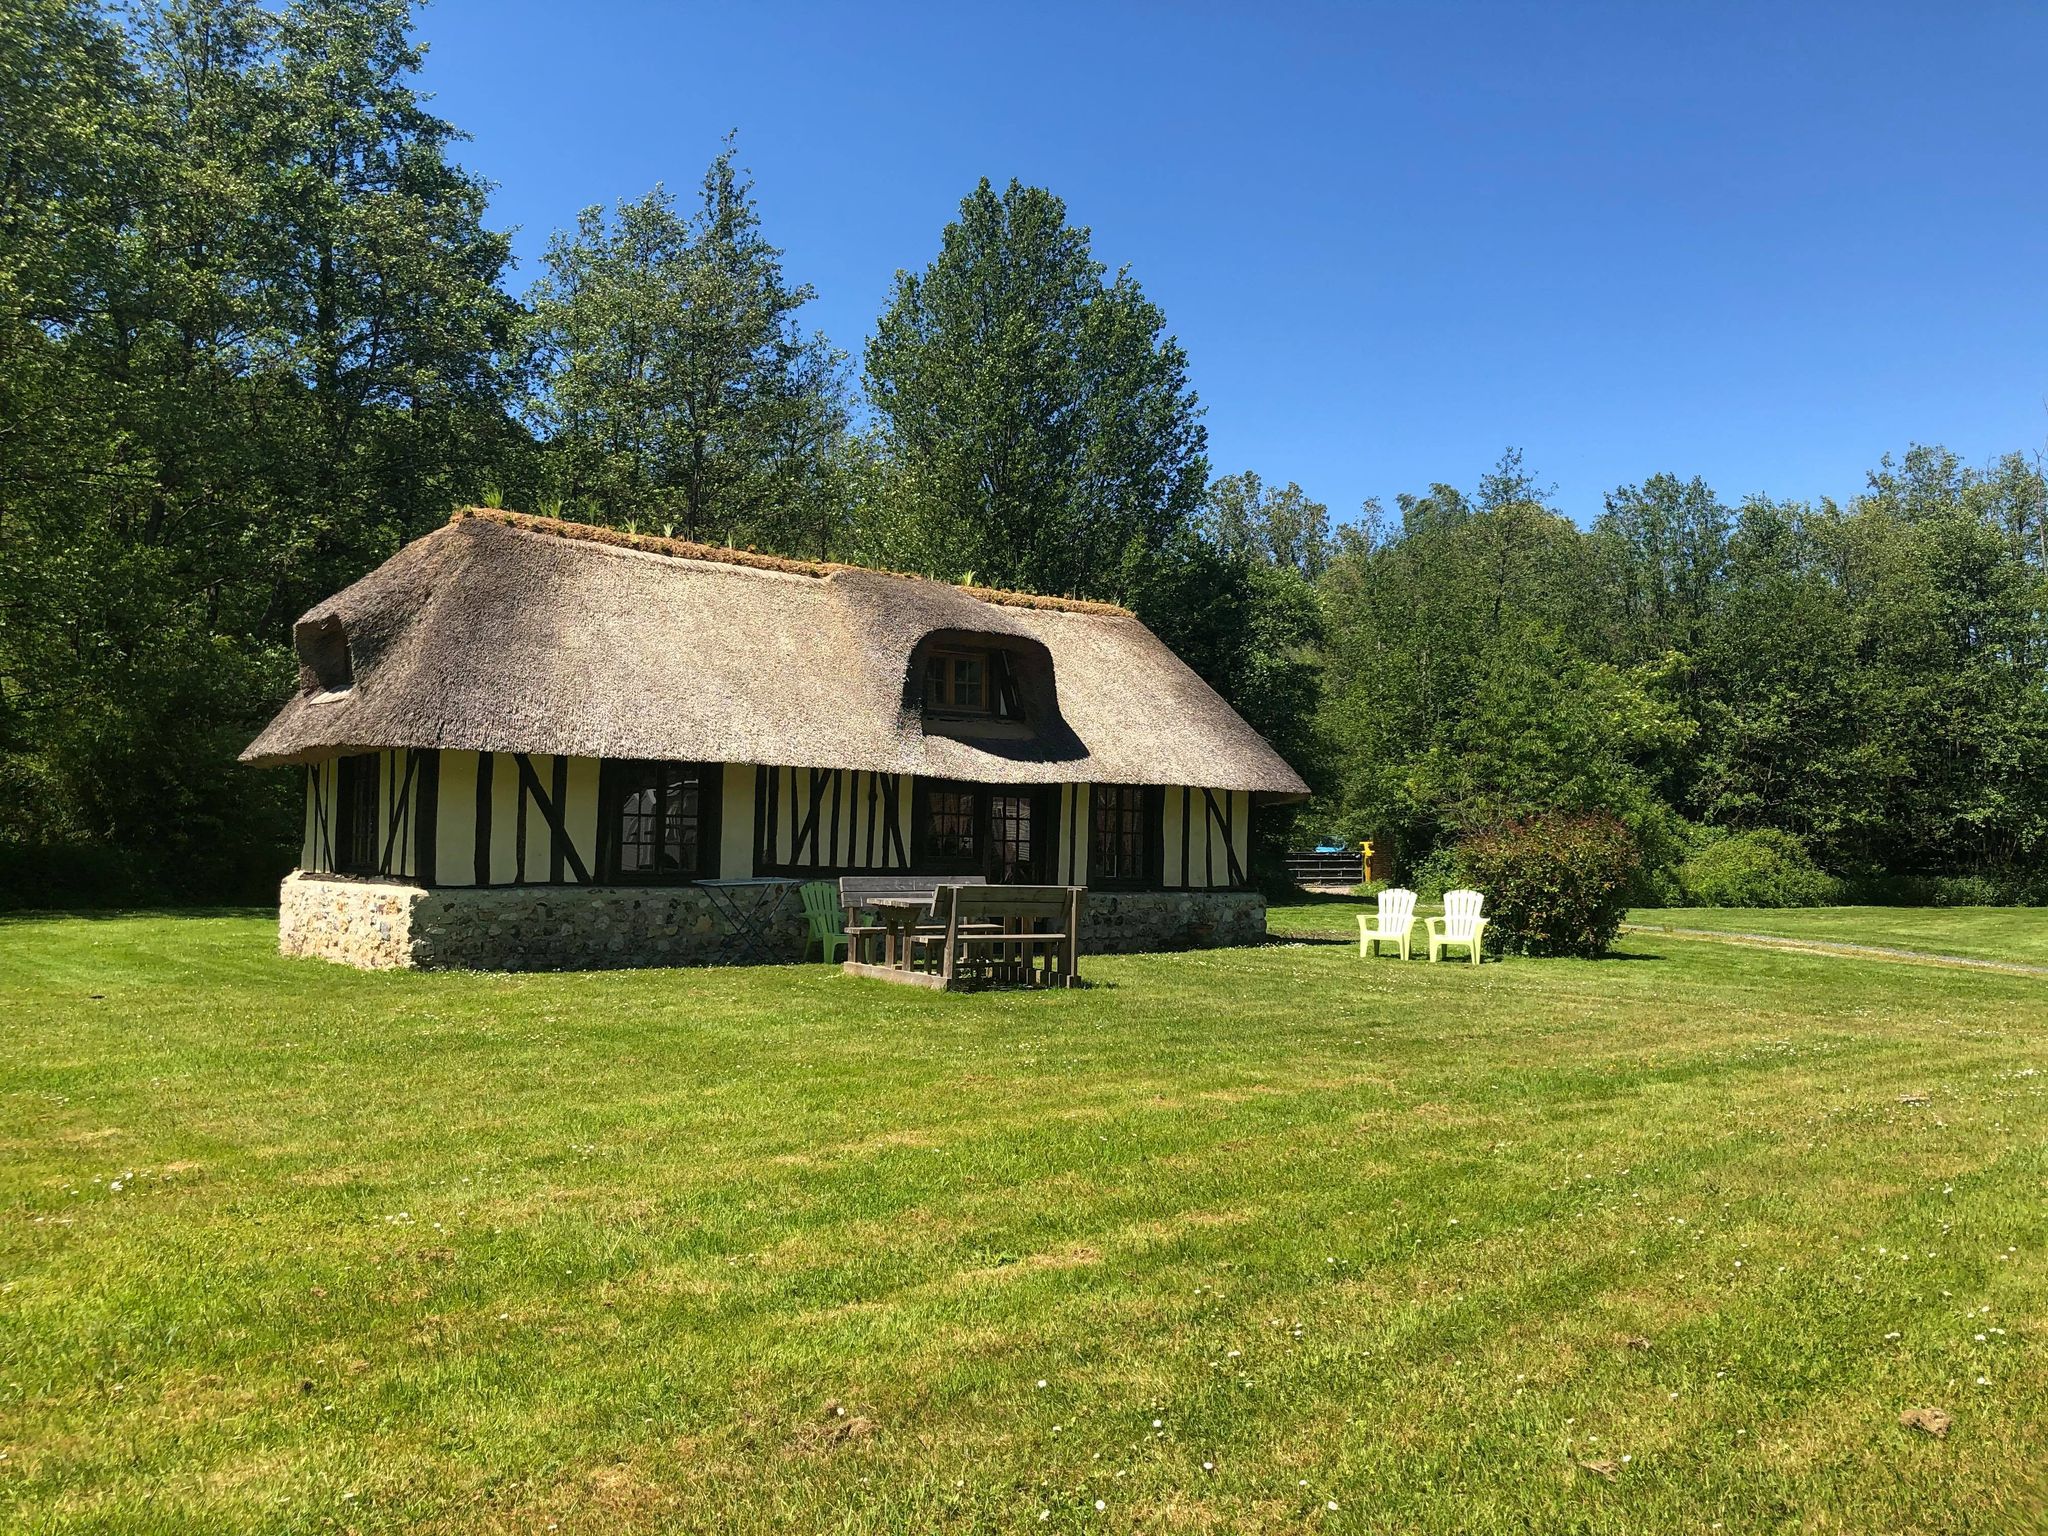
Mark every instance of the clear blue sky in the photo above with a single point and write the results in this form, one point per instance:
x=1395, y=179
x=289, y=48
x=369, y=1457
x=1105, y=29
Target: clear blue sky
x=1760, y=243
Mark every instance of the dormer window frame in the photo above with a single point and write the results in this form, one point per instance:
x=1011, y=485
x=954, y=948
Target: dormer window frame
x=949, y=667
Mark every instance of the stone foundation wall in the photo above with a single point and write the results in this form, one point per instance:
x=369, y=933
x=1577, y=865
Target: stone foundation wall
x=381, y=924
x=1129, y=922
x=360, y=922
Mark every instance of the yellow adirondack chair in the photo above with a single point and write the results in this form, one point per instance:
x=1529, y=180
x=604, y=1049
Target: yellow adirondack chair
x=1393, y=925
x=1461, y=924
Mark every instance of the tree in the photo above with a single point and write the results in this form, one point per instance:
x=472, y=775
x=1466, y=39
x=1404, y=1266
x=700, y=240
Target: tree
x=1456, y=690
x=1666, y=546
x=1036, y=418
x=380, y=292
x=672, y=383
x=257, y=350
x=1281, y=526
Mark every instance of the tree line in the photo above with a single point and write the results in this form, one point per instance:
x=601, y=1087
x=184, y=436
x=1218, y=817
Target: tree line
x=1869, y=676
x=256, y=332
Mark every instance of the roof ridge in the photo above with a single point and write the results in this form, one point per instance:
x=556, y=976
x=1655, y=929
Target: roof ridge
x=687, y=549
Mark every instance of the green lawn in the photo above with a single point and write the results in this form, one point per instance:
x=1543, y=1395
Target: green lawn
x=2018, y=934
x=1328, y=916
x=1255, y=1240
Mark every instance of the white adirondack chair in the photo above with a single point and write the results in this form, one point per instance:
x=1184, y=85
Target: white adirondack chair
x=1460, y=924
x=1396, y=920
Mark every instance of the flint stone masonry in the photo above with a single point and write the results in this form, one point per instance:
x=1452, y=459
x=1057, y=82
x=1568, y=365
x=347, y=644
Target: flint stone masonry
x=386, y=924
x=1130, y=922
x=365, y=923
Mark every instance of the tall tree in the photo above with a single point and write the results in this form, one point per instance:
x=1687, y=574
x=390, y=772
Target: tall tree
x=277, y=355
x=1036, y=417
x=1284, y=526
x=1666, y=542
x=673, y=383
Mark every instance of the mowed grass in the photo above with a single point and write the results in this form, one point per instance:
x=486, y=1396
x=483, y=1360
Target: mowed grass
x=1240, y=1241
x=1327, y=915
x=2015, y=934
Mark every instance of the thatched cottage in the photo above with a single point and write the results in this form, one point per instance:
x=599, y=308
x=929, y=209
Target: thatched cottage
x=531, y=743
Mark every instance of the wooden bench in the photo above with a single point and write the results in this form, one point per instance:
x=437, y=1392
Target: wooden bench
x=981, y=935
x=858, y=893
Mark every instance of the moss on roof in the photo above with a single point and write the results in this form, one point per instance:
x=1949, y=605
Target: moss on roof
x=687, y=549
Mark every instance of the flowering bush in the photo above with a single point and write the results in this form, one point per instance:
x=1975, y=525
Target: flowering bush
x=1555, y=884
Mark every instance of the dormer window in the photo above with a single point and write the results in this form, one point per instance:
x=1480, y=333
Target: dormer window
x=324, y=662
x=957, y=682
x=987, y=688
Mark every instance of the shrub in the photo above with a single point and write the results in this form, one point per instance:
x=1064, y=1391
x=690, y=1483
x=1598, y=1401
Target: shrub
x=1764, y=868
x=1436, y=874
x=57, y=877
x=1554, y=884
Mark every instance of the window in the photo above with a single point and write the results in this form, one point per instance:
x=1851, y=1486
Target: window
x=355, y=816
x=957, y=682
x=1123, y=833
x=973, y=829
x=1013, y=854
x=658, y=822
x=948, y=827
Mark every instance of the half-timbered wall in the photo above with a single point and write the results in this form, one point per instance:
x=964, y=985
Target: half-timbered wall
x=316, y=851
x=1206, y=838
x=1070, y=851
x=518, y=818
x=829, y=820
x=407, y=812
x=503, y=818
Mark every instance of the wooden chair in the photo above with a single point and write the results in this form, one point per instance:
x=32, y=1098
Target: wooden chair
x=822, y=911
x=1394, y=924
x=1461, y=924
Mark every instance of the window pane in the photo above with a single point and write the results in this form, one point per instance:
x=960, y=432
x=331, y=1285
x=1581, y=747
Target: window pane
x=935, y=683
x=1010, y=826
x=659, y=819
x=949, y=831
x=679, y=829
x=1118, y=847
x=967, y=682
x=358, y=813
x=638, y=823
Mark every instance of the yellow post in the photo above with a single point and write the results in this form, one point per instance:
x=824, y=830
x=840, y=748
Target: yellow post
x=1365, y=852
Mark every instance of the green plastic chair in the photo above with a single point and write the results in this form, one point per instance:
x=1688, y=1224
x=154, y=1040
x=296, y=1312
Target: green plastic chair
x=821, y=906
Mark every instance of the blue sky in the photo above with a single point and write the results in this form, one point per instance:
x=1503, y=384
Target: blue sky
x=1764, y=244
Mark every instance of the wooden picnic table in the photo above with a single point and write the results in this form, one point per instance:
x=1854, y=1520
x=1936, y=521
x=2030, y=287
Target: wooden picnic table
x=972, y=935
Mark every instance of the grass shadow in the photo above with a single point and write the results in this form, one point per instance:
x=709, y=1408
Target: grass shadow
x=129, y=914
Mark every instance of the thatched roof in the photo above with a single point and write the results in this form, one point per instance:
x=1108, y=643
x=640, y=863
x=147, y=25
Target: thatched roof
x=507, y=633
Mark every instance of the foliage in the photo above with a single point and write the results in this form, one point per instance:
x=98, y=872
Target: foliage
x=1459, y=690
x=1437, y=872
x=1282, y=527
x=250, y=338
x=254, y=334
x=672, y=384
x=1760, y=868
x=1555, y=884
x=1870, y=677
x=1035, y=416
